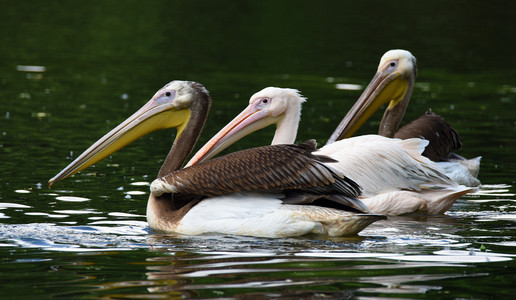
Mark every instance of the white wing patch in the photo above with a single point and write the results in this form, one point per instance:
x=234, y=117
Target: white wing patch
x=159, y=187
x=380, y=164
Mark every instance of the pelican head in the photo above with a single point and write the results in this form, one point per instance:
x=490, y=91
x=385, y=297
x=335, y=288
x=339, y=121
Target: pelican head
x=173, y=106
x=393, y=84
x=272, y=105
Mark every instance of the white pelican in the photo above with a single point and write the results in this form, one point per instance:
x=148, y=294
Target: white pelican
x=393, y=84
x=257, y=192
x=395, y=178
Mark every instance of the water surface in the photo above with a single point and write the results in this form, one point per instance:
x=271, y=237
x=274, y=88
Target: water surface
x=71, y=71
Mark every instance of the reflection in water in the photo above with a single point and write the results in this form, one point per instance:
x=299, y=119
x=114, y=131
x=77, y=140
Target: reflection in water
x=386, y=259
x=403, y=255
x=502, y=190
x=282, y=272
x=72, y=199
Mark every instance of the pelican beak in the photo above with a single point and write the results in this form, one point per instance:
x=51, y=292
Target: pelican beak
x=249, y=120
x=388, y=85
x=159, y=113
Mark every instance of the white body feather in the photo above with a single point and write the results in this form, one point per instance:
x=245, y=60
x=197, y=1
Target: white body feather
x=463, y=171
x=431, y=202
x=262, y=215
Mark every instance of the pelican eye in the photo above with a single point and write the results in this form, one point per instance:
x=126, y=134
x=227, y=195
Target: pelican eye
x=168, y=94
x=393, y=64
x=265, y=100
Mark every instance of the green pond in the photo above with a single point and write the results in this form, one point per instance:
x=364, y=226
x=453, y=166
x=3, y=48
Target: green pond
x=70, y=71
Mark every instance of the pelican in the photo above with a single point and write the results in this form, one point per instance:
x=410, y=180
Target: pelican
x=393, y=84
x=395, y=178
x=271, y=191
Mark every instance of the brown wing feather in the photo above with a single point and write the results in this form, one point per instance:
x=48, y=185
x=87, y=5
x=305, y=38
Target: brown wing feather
x=443, y=139
x=275, y=167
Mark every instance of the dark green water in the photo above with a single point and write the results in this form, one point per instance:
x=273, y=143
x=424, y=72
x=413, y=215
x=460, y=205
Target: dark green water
x=87, y=237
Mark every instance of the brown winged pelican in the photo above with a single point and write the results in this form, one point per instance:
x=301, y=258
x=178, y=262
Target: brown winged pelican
x=271, y=191
x=393, y=84
x=395, y=178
